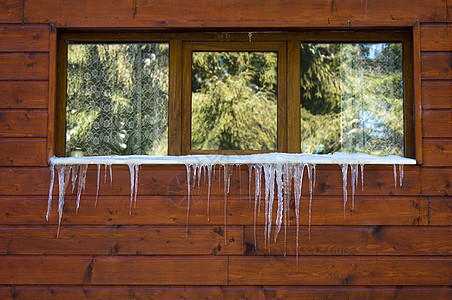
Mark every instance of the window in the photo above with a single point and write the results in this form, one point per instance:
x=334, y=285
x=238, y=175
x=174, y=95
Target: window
x=235, y=93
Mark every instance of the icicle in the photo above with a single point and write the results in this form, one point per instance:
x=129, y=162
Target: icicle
x=395, y=176
x=132, y=183
x=269, y=171
x=298, y=185
x=288, y=174
x=401, y=174
x=199, y=175
x=97, y=190
x=105, y=173
x=344, y=183
x=312, y=174
x=74, y=176
x=52, y=180
x=111, y=176
x=209, y=179
x=64, y=173
x=188, y=167
x=136, y=185
x=81, y=184
x=279, y=188
x=250, y=173
x=257, y=193
x=227, y=180
x=354, y=174
x=362, y=177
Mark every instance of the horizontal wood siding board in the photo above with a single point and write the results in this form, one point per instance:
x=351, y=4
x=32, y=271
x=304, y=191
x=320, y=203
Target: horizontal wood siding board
x=166, y=211
x=373, y=240
x=436, y=66
x=24, y=38
x=231, y=11
x=436, y=181
x=345, y=241
x=438, y=152
x=11, y=11
x=225, y=292
x=440, y=211
x=23, y=95
x=122, y=241
x=437, y=124
x=114, y=271
x=24, y=66
x=23, y=124
x=23, y=153
x=437, y=95
x=171, y=181
x=436, y=37
x=340, y=271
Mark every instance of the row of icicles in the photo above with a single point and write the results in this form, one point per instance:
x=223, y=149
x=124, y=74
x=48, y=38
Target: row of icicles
x=286, y=180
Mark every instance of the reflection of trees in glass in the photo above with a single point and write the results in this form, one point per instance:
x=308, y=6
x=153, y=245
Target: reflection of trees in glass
x=117, y=98
x=352, y=98
x=234, y=101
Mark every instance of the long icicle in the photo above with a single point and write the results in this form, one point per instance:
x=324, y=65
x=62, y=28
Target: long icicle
x=97, y=189
x=401, y=175
x=81, y=184
x=52, y=180
x=136, y=185
x=132, y=183
x=344, y=183
x=188, y=167
x=64, y=173
x=312, y=174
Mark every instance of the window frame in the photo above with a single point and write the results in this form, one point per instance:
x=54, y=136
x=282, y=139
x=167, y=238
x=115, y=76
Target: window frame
x=179, y=94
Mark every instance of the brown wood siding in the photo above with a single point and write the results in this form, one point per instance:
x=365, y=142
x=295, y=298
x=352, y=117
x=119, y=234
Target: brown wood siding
x=396, y=244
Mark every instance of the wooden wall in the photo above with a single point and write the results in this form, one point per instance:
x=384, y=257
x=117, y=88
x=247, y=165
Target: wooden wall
x=397, y=244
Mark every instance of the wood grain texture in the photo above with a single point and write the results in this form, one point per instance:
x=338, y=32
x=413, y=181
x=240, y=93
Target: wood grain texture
x=23, y=153
x=345, y=241
x=231, y=12
x=436, y=66
x=437, y=95
x=114, y=270
x=24, y=38
x=341, y=271
x=436, y=37
x=438, y=153
x=172, y=211
x=437, y=124
x=23, y=95
x=436, y=181
x=225, y=292
x=24, y=66
x=440, y=211
x=23, y=124
x=171, y=181
x=121, y=241
x=11, y=11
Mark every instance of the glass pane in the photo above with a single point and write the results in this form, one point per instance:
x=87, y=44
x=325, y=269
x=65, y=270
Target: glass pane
x=234, y=101
x=352, y=98
x=117, y=98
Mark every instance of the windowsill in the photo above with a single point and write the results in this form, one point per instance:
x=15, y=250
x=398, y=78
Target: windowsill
x=267, y=158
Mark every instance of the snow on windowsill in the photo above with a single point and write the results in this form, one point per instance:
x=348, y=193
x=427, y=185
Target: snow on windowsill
x=267, y=158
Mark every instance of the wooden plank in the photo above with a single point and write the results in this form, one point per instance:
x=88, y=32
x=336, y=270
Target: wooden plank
x=437, y=95
x=440, y=211
x=225, y=292
x=171, y=180
x=121, y=241
x=340, y=271
x=24, y=38
x=24, y=66
x=438, y=153
x=116, y=271
x=345, y=241
x=172, y=211
x=230, y=12
x=11, y=11
x=436, y=37
x=436, y=66
x=23, y=124
x=436, y=181
x=437, y=124
x=23, y=153
x=23, y=95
